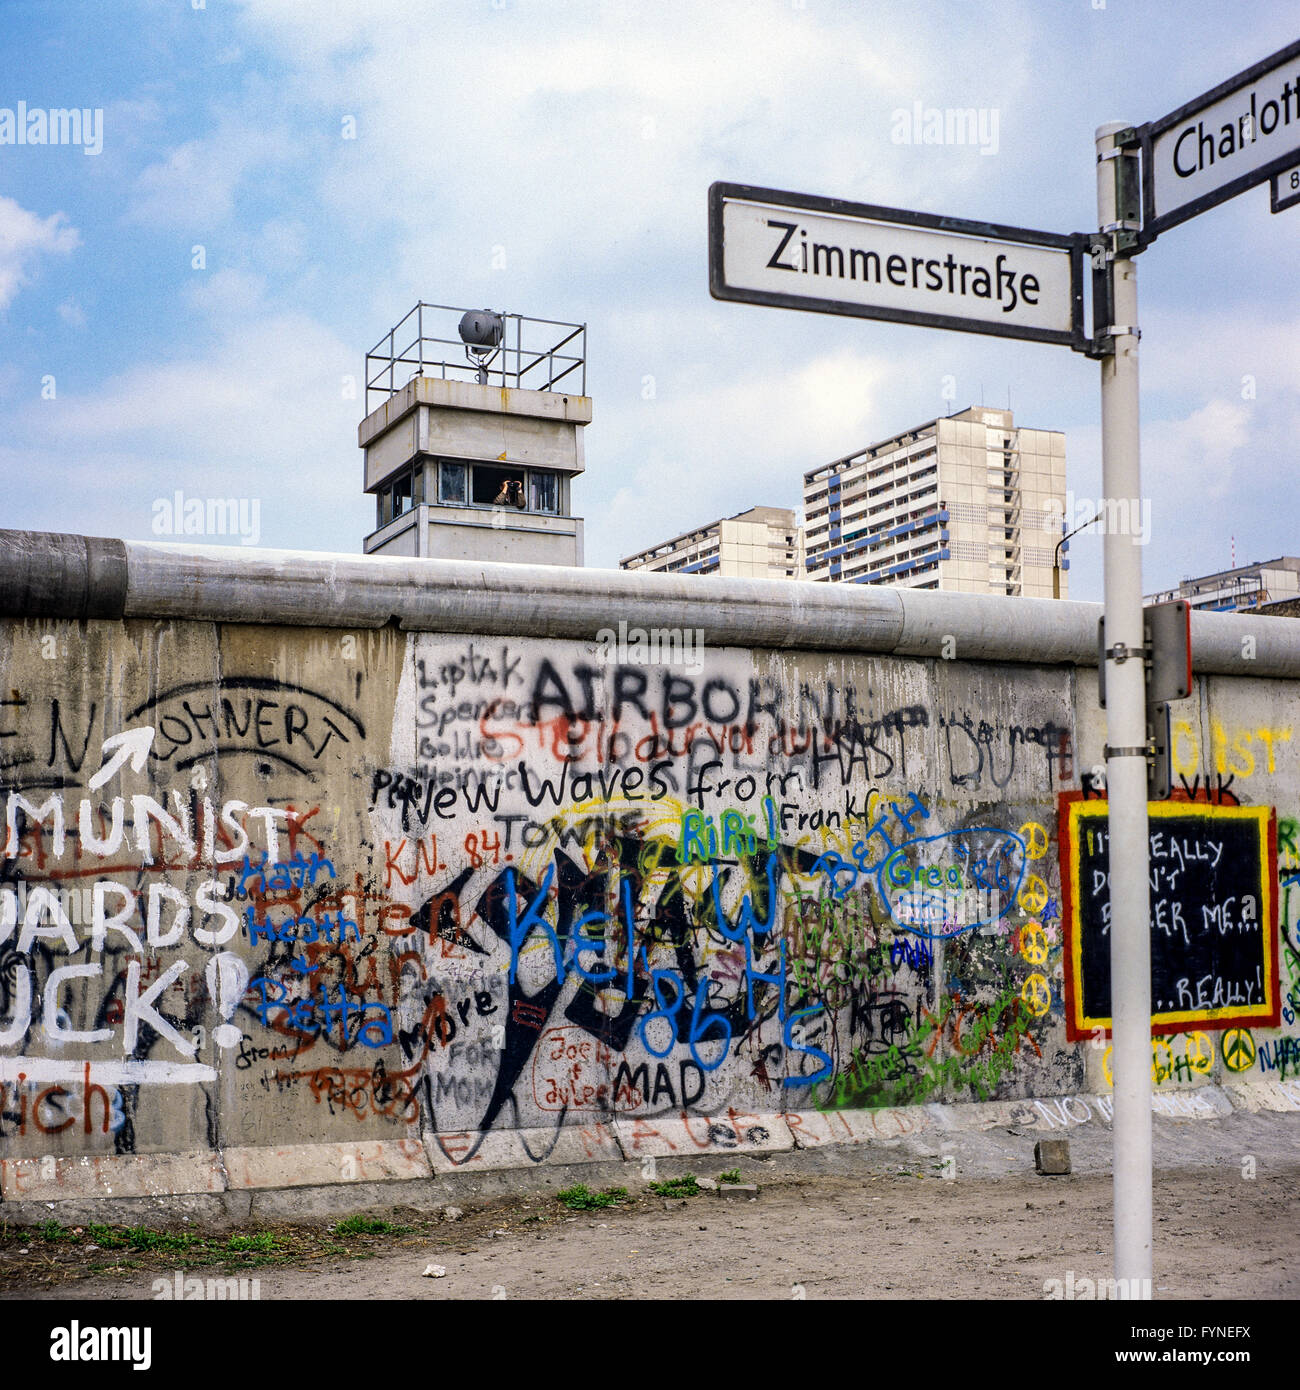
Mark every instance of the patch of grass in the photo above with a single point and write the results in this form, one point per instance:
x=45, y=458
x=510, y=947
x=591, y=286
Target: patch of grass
x=581, y=1198
x=677, y=1187
x=264, y=1243
x=731, y=1175
x=106, y=1237
x=359, y=1225
x=142, y=1238
x=52, y=1230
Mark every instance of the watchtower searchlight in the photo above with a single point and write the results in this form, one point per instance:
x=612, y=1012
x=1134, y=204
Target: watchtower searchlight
x=501, y=349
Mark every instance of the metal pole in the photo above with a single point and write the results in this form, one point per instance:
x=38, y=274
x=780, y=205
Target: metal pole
x=1126, y=740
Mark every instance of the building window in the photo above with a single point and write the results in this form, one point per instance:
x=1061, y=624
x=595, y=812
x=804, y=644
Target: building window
x=453, y=484
x=492, y=486
x=545, y=492
x=400, y=494
x=465, y=484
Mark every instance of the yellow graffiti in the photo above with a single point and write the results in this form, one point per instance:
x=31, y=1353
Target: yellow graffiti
x=1033, y=896
x=1033, y=943
x=1037, y=995
x=1199, y=1048
x=1238, y=1049
x=1035, y=838
x=1186, y=749
x=1238, y=752
x=1198, y=1057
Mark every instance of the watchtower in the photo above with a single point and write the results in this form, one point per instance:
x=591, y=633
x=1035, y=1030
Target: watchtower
x=473, y=436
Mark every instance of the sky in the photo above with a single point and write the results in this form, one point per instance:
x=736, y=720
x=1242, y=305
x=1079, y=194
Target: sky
x=279, y=181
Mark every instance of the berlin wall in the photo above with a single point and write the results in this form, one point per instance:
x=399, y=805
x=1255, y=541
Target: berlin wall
x=325, y=869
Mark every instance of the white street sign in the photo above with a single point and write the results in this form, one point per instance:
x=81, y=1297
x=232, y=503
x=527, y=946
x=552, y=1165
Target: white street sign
x=1222, y=143
x=793, y=251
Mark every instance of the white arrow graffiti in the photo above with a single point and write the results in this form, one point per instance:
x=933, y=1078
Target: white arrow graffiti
x=130, y=743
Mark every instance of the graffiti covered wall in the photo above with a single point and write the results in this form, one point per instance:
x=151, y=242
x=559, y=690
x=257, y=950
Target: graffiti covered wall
x=265, y=885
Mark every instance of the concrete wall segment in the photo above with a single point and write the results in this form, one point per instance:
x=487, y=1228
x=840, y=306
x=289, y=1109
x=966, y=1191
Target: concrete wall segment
x=480, y=888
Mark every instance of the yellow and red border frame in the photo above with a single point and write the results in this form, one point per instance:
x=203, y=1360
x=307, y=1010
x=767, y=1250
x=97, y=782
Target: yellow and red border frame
x=1073, y=810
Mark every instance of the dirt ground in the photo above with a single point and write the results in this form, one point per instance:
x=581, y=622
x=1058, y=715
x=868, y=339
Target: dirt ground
x=905, y=1234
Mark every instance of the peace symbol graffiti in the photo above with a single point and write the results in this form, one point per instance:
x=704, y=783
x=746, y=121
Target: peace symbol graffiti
x=1037, y=995
x=1033, y=896
x=1035, y=838
x=1238, y=1049
x=1033, y=944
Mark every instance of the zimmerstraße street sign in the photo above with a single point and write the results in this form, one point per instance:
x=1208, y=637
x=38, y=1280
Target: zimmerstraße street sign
x=1227, y=140
x=792, y=251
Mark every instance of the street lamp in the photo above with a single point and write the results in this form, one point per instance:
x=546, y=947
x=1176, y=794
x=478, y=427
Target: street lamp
x=1056, y=555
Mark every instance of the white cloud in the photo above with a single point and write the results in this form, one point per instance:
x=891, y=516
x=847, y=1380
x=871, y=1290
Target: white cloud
x=577, y=136
x=1199, y=452
x=261, y=414
x=24, y=239
x=731, y=446
x=197, y=183
x=281, y=244
x=263, y=393
x=230, y=297
x=71, y=312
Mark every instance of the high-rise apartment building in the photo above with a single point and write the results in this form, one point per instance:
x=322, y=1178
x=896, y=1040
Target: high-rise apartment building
x=967, y=503
x=762, y=543
x=1243, y=587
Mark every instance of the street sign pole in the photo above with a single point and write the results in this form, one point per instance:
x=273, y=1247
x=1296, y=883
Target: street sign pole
x=1126, y=733
x=829, y=256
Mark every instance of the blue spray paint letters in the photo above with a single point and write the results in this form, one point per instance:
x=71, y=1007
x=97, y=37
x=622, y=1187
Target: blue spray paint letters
x=698, y=841
x=705, y=1025
x=938, y=886
x=284, y=876
x=332, y=927
x=827, y=1067
x=345, y=1011
x=835, y=866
